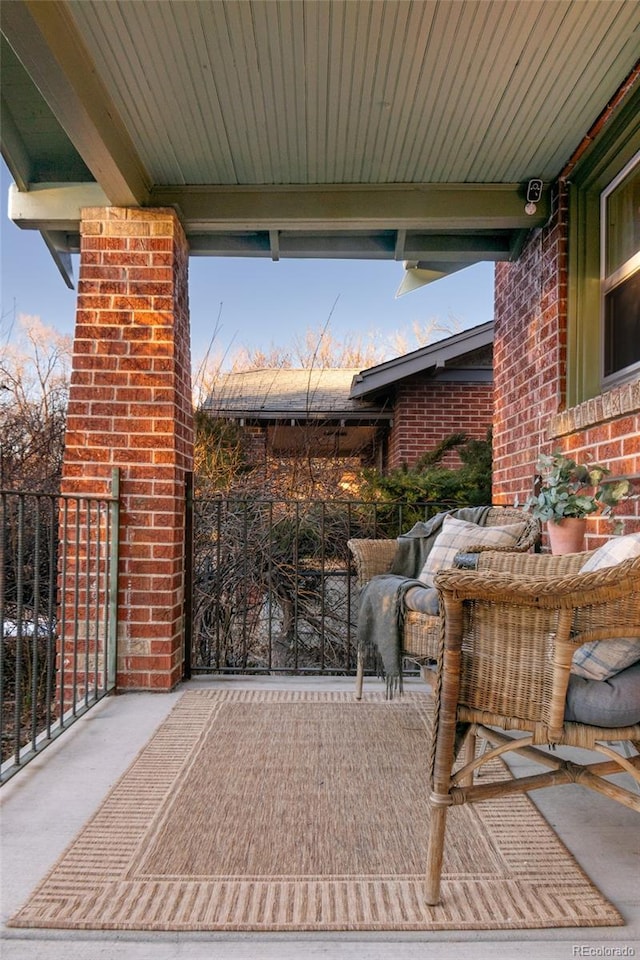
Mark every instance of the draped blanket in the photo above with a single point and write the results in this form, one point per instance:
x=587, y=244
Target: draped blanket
x=382, y=606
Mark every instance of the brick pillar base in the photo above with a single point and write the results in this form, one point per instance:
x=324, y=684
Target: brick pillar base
x=130, y=407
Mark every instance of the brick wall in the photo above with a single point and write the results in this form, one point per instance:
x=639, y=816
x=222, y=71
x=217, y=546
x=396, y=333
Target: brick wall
x=130, y=407
x=529, y=380
x=426, y=411
x=607, y=430
x=254, y=441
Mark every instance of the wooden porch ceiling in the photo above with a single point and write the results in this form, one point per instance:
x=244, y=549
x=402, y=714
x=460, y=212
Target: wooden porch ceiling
x=404, y=129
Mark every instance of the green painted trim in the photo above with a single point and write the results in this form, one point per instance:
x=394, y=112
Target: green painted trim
x=617, y=145
x=583, y=296
x=612, y=149
x=114, y=565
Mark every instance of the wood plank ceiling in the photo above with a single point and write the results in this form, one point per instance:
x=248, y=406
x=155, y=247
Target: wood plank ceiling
x=385, y=128
x=356, y=92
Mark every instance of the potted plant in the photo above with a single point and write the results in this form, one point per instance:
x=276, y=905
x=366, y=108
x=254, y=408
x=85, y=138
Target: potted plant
x=567, y=493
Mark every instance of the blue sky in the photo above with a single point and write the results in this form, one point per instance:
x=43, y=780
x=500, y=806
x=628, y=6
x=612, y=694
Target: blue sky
x=255, y=303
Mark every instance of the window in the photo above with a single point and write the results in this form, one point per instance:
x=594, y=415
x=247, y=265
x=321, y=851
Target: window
x=603, y=258
x=620, y=259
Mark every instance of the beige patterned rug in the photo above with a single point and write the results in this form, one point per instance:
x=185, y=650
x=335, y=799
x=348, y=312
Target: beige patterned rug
x=254, y=810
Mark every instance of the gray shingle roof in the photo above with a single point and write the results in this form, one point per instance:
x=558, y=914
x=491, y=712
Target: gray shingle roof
x=287, y=392
x=468, y=351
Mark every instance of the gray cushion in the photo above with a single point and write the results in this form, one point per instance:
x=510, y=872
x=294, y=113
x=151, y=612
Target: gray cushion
x=423, y=600
x=605, y=703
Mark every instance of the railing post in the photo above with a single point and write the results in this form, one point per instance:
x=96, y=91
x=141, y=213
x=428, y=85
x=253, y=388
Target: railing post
x=188, y=576
x=114, y=561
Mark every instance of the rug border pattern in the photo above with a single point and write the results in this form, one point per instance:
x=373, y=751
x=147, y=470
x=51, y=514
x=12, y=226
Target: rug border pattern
x=87, y=887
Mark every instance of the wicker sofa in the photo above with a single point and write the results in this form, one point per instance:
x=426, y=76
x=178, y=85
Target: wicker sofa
x=421, y=631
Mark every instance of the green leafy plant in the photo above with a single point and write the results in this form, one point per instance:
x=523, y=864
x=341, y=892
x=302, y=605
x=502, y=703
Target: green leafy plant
x=571, y=489
x=428, y=486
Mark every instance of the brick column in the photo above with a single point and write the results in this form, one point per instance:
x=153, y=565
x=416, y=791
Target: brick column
x=130, y=407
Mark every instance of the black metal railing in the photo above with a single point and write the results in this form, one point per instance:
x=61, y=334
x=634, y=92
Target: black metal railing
x=270, y=589
x=272, y=586
x=58, y=595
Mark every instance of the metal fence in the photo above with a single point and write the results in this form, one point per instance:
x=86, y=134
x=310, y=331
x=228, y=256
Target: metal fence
x=58, y=594
x=273, y=588
x=270, y=589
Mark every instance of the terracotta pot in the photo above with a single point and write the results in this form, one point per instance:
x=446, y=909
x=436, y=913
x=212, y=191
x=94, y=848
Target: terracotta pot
x=567, y=536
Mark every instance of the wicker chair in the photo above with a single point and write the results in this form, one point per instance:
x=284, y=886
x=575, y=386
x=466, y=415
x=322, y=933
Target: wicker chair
x=421, y=632
x=509, y=631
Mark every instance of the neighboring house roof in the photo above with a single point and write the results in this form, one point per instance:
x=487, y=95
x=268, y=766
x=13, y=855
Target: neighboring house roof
x=466, y=356
x=354, y=405
x=347, y=393
x=291, y=394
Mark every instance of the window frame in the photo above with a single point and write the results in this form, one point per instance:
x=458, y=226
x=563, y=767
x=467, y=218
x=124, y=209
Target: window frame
x=594, y=172
x=609, y=281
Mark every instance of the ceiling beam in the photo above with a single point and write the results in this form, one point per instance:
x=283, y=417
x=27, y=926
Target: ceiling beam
x=53, y=206
x=46, y=40
x=439, y=227
x=451, y=206
x=274, y=244
x=328, y=245
x=14, y=152
x=496, y=245
x=426, y=214
x=457, y=253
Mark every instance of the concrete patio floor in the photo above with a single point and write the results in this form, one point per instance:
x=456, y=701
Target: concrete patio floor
x=45, y=805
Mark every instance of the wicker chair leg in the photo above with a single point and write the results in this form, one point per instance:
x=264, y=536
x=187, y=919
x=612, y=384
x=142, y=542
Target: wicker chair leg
x=467, y=755
x=435, y=852
x=359, y=675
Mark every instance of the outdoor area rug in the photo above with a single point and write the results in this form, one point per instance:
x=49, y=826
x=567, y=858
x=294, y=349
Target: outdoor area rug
x=287, y=811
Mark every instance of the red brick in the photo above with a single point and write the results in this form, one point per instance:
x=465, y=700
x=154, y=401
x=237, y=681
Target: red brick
x=130, y=389
x=529, y=373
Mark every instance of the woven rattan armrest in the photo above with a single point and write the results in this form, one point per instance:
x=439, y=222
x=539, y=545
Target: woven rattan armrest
x=533, y=564
x=372, y=557
x=535, y=583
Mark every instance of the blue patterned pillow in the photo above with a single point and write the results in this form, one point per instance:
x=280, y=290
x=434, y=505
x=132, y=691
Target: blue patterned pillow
x=601, y=659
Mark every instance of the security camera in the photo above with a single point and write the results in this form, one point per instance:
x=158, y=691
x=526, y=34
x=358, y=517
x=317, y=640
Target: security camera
x=534, y=191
